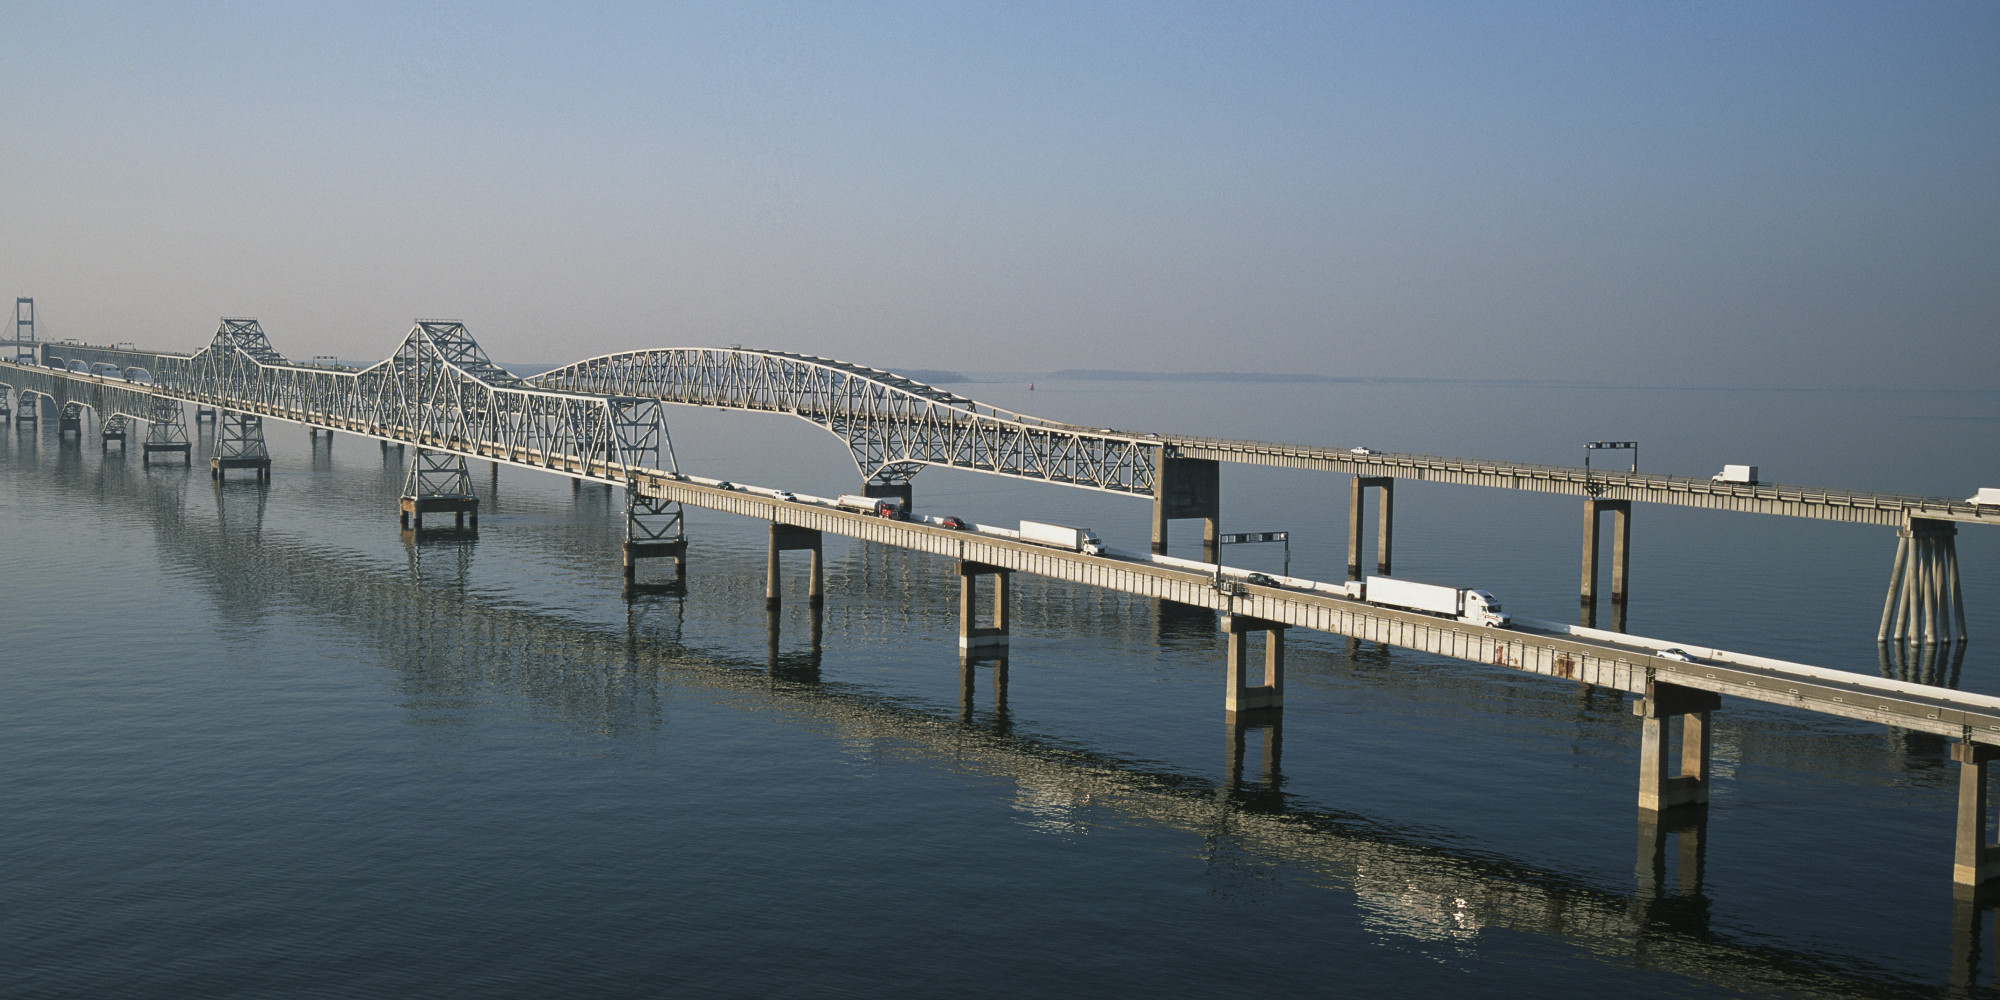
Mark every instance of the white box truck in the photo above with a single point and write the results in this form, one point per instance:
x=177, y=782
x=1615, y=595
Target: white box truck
x=1474, y=607
x=1745, y=474
x=1988, y=496
x=1057, y=536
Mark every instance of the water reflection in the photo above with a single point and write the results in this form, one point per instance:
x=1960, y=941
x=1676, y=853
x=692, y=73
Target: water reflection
x=794, y=666
x=611, y=679
x=970, y=661
x=1936, y=664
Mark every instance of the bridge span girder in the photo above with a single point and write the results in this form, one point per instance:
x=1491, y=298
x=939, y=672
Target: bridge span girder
x=893, y=426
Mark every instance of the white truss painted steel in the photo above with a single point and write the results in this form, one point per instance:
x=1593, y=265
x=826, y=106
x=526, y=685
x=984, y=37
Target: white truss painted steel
x=438, y=391
x=894, y=426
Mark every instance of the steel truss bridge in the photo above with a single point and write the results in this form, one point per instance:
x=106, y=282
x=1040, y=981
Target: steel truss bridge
x=603, y=420
x=894, y=426
x=600, y=418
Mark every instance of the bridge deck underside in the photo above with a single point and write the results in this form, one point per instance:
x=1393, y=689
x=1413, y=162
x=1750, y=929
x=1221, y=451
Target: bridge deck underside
x=1946, y=713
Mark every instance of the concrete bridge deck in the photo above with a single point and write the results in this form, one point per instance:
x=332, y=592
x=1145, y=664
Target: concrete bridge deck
x=1585, y=655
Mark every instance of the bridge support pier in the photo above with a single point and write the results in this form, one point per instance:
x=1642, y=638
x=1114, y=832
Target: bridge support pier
x=6, y=406
x=652, y=531
x=1239, y=695
x=204, y=414
x=70, y=421
x=972, y=635
x=1976, y=859
x=787, y=538
x=166, y=433
x=890, y=491
x=1189, y=488
x=1924, y=602
x=438, y=483
x=113, y=430
x=1660, y=788
x=31, y=410
x=1621, y=542
x=239, y=444
x=1357, y=515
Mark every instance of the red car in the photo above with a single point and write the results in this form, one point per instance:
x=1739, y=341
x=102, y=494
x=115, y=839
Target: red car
x=948, y=521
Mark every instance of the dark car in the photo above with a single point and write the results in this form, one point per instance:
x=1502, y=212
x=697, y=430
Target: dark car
x=949, y=521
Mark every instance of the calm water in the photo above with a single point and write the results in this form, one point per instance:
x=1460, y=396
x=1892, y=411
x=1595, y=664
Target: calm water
x=256, y=744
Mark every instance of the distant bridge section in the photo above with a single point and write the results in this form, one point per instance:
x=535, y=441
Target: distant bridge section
x=1854, y=506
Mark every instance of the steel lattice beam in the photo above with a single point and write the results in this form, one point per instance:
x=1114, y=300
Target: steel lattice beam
x=439, y=391
x=892, y=425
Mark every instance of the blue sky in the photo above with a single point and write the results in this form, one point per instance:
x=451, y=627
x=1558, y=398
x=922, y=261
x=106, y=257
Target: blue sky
x=1661, y=193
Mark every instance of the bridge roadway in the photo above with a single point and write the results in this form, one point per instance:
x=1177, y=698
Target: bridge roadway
x=1408, y=887
x=1583, y=655
x=909, y=424
x=440, y=393
x=1586, y=655
x=1853, y=506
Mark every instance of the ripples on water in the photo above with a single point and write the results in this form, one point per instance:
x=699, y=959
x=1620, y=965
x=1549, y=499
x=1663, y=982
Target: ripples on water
x=258, y=744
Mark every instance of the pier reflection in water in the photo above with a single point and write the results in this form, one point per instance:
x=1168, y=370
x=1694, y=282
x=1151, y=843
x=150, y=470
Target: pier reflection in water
x=452, y=641
x=1411, y=887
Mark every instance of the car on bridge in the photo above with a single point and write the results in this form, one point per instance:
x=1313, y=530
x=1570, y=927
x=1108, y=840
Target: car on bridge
x=949, y=521
x=1675, y=653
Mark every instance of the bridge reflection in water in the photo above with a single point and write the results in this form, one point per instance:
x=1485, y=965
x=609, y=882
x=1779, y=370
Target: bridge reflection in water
x=614, y=680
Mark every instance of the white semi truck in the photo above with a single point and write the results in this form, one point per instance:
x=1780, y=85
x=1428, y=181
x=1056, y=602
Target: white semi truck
x=873, y=506
x=1474, y=607
x=1057, y=536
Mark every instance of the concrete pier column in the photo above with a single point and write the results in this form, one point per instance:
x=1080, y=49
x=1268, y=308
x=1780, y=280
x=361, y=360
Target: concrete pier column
x=1660, y=787
x=1189, y=488
x=971, y=635
x=1357, y=515
x=1621, y=544
x=1924, y=603
x=784, y=538
x=1239, y=695
x=1976, y=859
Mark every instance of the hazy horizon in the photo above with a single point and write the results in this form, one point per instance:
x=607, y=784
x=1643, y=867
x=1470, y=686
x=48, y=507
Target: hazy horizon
x=1702, y=194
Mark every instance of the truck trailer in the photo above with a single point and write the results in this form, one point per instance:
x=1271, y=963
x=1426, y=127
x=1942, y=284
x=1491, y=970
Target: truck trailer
x=1057, y=536
x=1745, y=474
x=874, y=507
x=1474, y=607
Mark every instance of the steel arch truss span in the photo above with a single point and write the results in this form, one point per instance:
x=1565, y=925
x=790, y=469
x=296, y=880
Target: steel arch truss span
x=894, y=426
x=439, y=391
